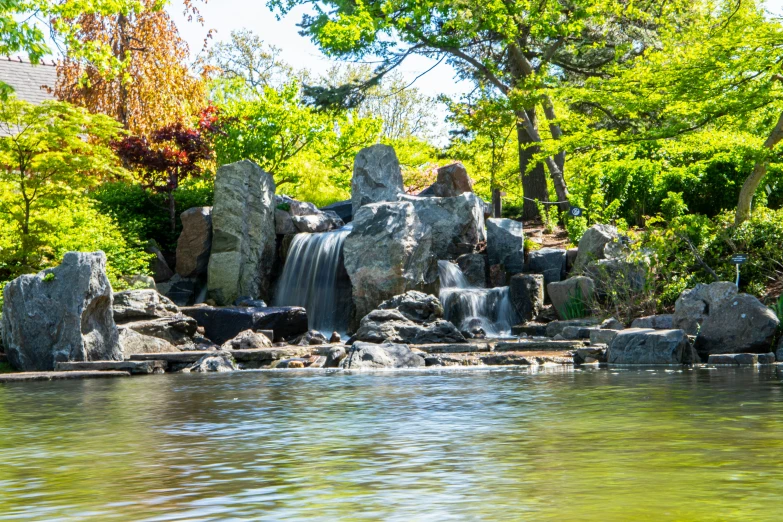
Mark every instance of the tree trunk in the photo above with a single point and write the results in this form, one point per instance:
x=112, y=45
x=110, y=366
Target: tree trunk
x=533, y=182
x=122, y=48
x=759, y=171
x=173, y=177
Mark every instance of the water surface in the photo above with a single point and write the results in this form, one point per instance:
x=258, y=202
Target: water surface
x=489, y=445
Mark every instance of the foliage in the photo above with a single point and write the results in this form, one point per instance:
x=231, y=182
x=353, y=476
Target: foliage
x=777, y=307
x=142, y=79
x=576, y=305
x=550, y=216
x=49, y=153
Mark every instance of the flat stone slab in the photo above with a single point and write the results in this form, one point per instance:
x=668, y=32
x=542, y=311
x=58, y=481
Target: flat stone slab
x=55, y=376
x=539, y=346
x=272, y=354
x=453, y=348
x=174, y=357
x=134, y=367
x=526, y=358
x=737, y=359
x=531, y=329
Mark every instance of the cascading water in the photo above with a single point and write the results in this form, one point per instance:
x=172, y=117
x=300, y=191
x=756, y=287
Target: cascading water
x=314, y=277
x=470, y=307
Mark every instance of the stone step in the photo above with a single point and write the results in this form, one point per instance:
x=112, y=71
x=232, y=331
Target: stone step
x=257, y=355
x=531, y=329
x=54, y=376
x=471, y=347
x=173, y=357
x=134, y=367
x=539, y=346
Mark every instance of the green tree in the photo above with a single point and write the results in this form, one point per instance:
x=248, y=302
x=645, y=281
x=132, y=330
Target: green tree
x=48, y=153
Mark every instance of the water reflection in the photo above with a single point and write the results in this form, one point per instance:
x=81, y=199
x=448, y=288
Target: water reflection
x=602, y=445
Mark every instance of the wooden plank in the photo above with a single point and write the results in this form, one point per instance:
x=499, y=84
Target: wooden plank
x=53, y=376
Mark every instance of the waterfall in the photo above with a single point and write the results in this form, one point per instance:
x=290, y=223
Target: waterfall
x=314, y=277
x=471, y=307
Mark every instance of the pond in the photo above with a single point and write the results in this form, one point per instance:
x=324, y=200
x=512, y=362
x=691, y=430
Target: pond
x=491, y=444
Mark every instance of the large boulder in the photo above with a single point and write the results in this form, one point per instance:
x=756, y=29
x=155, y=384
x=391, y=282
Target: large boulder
x=505, y=244
x=648, y=346
x=475, y=269
x=739, y=324
x=415, y=306
x=158, y=265
x=132, y=305
x=195, y=242
x=62, y=314
x=284, y=223
x=223, y=324
x=457, y=223
x=693, y=305
x=593, y=243
x=321, y=222
x=243, y=239
x=178, y=330
x=132, y=343
x=387, y=253
x=550, y=262
x=217, y=362
x=376, y=176
x=573, y=297
x=366, y=356
x=453, y=180
x=247, y=340
x=343, y=209
x=392, y=326
x=526, y=293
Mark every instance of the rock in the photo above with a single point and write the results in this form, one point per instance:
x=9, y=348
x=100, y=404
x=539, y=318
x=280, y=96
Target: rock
x=453, y=180
x=734, y=359
x=222, y=324
x=139, y=282
x=158, y=266
x=692, y=307
x=182, y=291
x=391, y=325
x=311, y=338
x=556, y=327
x=456, y=223
x=195, y=242
x=376, y=177
x=505, y=244
x=247, y=340
x=740, y=324
x=132, y=305
x=61, y=314
x=779, y=351
x=217, y=362
x=592, y=244
x=375, y=356
x=335, y=338
x=334, y=356
x=647, y=346
x=611, y=324
x=243, y=239
x=616, y=276
x=415, y=306
x=497, y=276
x=602, y=336
x=284, y=223
x=590, y=354
x=550, y=262
x=526, y=292
x=571, y=255
x=132, y=343
x=474, y=267
x=573, y=297
x=766, y=358
x=572, y=333
x=295, y=207
x=178, y=330
x=387, y=253
x=656, y=322
x=250, y=302
x=321, y=222
x=343, y=209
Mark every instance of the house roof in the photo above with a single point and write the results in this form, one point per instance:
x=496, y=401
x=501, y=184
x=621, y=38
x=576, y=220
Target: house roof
x=30, y=82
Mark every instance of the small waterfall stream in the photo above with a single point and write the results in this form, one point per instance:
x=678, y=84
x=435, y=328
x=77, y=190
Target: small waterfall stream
x=314, y=277
x=471, y=307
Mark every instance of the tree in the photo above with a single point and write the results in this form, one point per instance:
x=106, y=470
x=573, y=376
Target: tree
x=521, y=49
x=172, y=154
x=149, y=87
x=50, y=152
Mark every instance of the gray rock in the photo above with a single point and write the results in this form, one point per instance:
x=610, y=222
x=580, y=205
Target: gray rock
x=573, y=297
x=132, y=343
x=550, y=262
x=295, y=207
x=387, y=253
x=505, y=244
x=311, y=338
x=573, y=333
x=593, y=243
x=453, y=180
x=243, y=240
x=139, y=281
x=602, y=336
x=363, y=356
x=335, y=338
x=284, y=223
x=415, y=306
x=195, y=242
x=656, y=322
x=222, y=324
x=219, y=362
x=61, y=314
x=474, y=267
x=321, y=222
x=526, y=293
x=247, y=340
x=571, y=255
x=590, y=354
x=182, y=291
x=158, y=266
x=457, y=223
x=740, y=324
x=647, y=346
x=376, y=176
x=178, y=330
x=733, y=359
x=391, y=325
x=334, y=355
x=343, y=209
x=556, y=327
x=132, y=305
x=766, y=358
x=611, y=324
x=693, y=305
